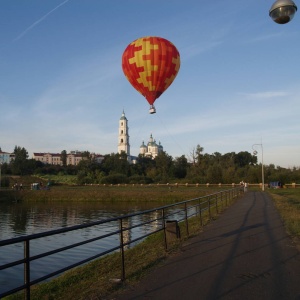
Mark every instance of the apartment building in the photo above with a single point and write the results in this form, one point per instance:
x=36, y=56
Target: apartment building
x=73, y=158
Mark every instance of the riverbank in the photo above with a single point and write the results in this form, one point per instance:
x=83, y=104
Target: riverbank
x=155, y=193
x=102, y=277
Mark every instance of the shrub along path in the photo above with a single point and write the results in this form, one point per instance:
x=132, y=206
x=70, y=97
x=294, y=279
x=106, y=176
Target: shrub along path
x=244, y=254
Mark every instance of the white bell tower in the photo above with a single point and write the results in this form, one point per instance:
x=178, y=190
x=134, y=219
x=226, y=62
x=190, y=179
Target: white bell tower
x=123, y=144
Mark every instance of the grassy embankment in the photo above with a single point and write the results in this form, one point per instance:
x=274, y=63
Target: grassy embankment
x=287, y=202
x=145, y=193
x=96, y=280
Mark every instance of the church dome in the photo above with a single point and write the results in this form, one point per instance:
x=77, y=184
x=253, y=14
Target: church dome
x=143, y=145
x=152, y=144
x=123, y=116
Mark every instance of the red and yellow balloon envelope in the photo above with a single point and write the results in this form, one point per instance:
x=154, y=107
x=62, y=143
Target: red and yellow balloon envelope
x=150, y=65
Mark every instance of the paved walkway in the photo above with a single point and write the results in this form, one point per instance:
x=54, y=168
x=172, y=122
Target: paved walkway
x=244, y=254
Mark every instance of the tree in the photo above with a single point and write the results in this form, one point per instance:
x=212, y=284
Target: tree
x=116, y=163
x=164, y=164
x=199, y=151
x=244, y=158
x=86, y=155
x=229, y=174
x=63, y=157
x=144, y=164
x=192, y=157
x=217, y=157
x=20, y=153
x=214, y=174
x=196, y=155
x=228, y=160
x=89, y=171
x=180, y=167
x=19, y=164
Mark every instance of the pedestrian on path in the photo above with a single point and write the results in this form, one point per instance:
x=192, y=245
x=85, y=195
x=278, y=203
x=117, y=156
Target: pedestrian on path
x=245, y=187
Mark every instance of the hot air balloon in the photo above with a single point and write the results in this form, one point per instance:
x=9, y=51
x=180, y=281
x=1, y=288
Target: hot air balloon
x=151, y=64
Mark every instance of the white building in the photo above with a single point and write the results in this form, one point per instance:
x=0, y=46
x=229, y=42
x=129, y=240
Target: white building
x=6, y=157
x=152, y=149
x=73, y=158
x=123, y=144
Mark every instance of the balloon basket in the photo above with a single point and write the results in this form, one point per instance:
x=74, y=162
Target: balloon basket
x=152, y=110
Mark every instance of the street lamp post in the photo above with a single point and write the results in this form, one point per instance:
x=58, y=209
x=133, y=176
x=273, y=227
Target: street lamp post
x=283, y=11
x=262, y=164
x=1, y=159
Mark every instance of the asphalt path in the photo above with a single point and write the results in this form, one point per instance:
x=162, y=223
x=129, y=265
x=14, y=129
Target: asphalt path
x=244, y=254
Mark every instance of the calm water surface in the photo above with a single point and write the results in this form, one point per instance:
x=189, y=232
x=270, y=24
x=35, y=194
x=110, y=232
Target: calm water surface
x=24, y=218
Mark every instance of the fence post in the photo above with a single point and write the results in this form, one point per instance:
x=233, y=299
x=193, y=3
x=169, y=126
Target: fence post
x=209, y=212
x=164, y=227
x=217, y=204
x=186, y=219
x=200, y=213
x=122, y=250
x=27, y=269
x=226, y=198
x=221, y=200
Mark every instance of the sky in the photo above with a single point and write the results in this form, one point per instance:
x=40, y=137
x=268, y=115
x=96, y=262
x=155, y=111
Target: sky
x=62, y=86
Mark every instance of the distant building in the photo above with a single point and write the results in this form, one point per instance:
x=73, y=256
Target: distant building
x=48, y=158
x=152, y=149
x=73, y=158
x=123, y=137
x=123, y=145
x=6, y=157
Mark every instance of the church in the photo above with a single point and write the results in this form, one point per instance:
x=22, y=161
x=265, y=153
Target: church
x=152, y=149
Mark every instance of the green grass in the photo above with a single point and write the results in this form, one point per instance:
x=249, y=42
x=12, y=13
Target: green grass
x=287, y=202
x=143, y=193
x=60, y=179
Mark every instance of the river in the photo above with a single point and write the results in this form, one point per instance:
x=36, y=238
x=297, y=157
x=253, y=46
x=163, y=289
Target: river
x=25, y=218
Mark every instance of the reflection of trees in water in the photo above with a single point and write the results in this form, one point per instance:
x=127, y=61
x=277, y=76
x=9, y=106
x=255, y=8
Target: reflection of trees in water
x=30, y=218
x=33, y=217
x=19, y=216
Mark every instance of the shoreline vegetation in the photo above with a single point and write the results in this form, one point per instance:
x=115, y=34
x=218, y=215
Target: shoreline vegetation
x=161, y=193
x=101, y=278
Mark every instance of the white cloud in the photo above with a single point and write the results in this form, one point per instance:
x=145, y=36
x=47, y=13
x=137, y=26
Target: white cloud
x=266, y=94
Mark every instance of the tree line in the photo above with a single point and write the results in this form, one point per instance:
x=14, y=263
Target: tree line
x=199, y=168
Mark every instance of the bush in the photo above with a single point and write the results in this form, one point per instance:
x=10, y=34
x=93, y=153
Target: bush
x=140, y=179
x=115, y=179
x=4, y=182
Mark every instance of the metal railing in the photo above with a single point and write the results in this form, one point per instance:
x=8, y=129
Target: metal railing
x=180, y=211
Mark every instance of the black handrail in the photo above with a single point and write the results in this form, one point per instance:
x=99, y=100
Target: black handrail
x=185, y=208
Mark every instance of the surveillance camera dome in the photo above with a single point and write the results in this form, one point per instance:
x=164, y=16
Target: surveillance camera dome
x=283, y=11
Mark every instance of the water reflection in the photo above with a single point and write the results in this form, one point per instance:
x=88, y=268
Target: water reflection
x=23, y=218
x=27, y=218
